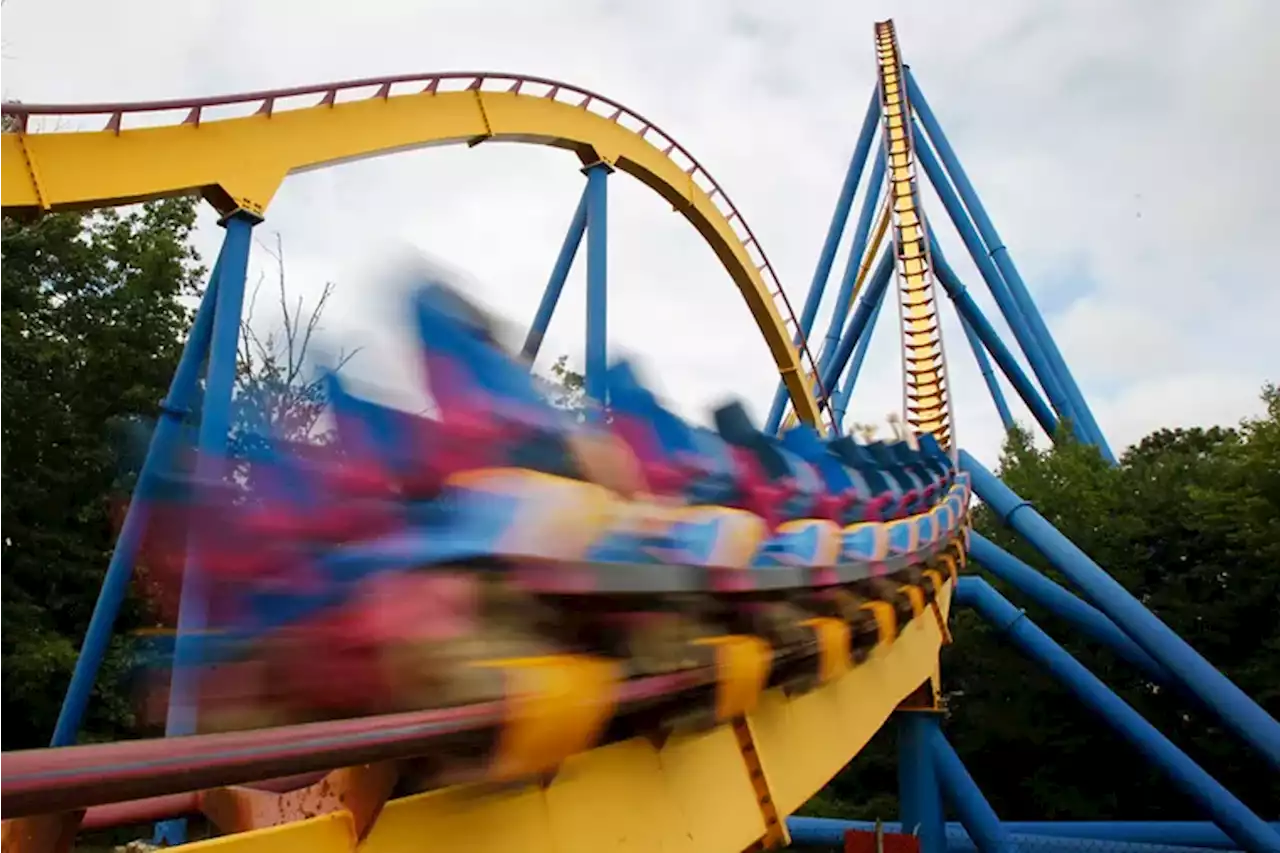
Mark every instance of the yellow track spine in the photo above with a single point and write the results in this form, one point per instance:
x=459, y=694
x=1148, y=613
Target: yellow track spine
x=926, y=396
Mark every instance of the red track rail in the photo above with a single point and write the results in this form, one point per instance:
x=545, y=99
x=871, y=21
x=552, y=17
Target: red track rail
x=42, y=781
x=474, y=80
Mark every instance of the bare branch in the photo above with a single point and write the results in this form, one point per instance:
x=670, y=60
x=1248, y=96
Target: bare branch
x=313, y=323
x=272, y=363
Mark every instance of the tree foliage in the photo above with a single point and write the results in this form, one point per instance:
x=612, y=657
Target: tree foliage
x=1190, y=523
x=566, y=387
x=95, y=312
x=93, y=324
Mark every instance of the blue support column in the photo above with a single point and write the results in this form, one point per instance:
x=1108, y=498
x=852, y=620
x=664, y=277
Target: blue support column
x=597, y=280
x=852, y=176
x=1193, y=672
x=861, y=233
x=1074, y=835
x=215, y=427
x=1235, y=819
x=560, y=272
x=183, y=389
x=861, y=319
x=1186, y=833
x=1082, y=616
x=966, y=798
x=988, y=376
x=845, y=392
x=991, y=275
x=1004, y=263
x=972, y=314
x=919, y=798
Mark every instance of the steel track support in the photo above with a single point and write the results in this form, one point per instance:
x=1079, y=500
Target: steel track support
x=839, y=218
x=555, y=285
x=177, y=404
x=215, y=428
x=597, y=354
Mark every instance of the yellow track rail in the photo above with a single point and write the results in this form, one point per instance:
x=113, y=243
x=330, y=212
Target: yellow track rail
x=241, y=162
x=691, y=794
x=926, y=396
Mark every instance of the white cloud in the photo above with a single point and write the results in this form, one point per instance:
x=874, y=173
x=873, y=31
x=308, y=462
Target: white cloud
x=1123, y=151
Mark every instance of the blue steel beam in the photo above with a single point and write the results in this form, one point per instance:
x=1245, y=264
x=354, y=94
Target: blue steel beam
x=1235, y=819
x=979, y=819
x=859, y=323
x=919, y=797
x=1047, y=836
x=972, y=314
x=839, y=217
x=597, y=280
x=1008, y=270
x=1039, y=362
x=845, y=392
x=177, y=404
x=555, y=284
x=1059, y=601
x=861, y=233
x=215, y=430
x=988, y=376
x=1197, y=676
x=1188, y=833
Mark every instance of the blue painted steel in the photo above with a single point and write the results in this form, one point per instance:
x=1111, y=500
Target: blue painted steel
x=919, y=798
x=988, y=375
x=1235, y=819
x=966, y=799
x=1197, y=675
x=1004, y=262
x=1046, y=836
x=859, y=323
x=972, y=314
x=1040, y=364
x=861, y=233
x=1188, y=833
x=845, y=392
x=1052, y=844
x=183, y=389
x=597, y=280
x=1082, y=616
x=852, y=176
x=560, y=272
x=215, y=426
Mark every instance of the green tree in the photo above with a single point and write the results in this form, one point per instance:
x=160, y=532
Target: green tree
x=566, y=387
x=93, y=323
x=1189, y=522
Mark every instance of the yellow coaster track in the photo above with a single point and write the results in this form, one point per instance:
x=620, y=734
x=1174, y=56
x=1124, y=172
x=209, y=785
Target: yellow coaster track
x=926, y=396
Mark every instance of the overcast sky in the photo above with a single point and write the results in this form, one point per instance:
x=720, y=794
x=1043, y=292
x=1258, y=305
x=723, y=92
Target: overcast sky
x=1124, y=150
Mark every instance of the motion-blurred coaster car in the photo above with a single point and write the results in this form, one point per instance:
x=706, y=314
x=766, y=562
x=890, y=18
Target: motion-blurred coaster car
x=419, y=562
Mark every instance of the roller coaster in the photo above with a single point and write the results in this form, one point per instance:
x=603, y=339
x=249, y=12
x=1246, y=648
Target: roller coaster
x=511, y=627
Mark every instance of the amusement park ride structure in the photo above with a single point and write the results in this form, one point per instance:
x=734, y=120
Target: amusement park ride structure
x=618, y=782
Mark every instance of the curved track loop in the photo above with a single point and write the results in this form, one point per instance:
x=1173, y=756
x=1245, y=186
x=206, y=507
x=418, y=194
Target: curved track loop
x=927, y=397
x=241, y=162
